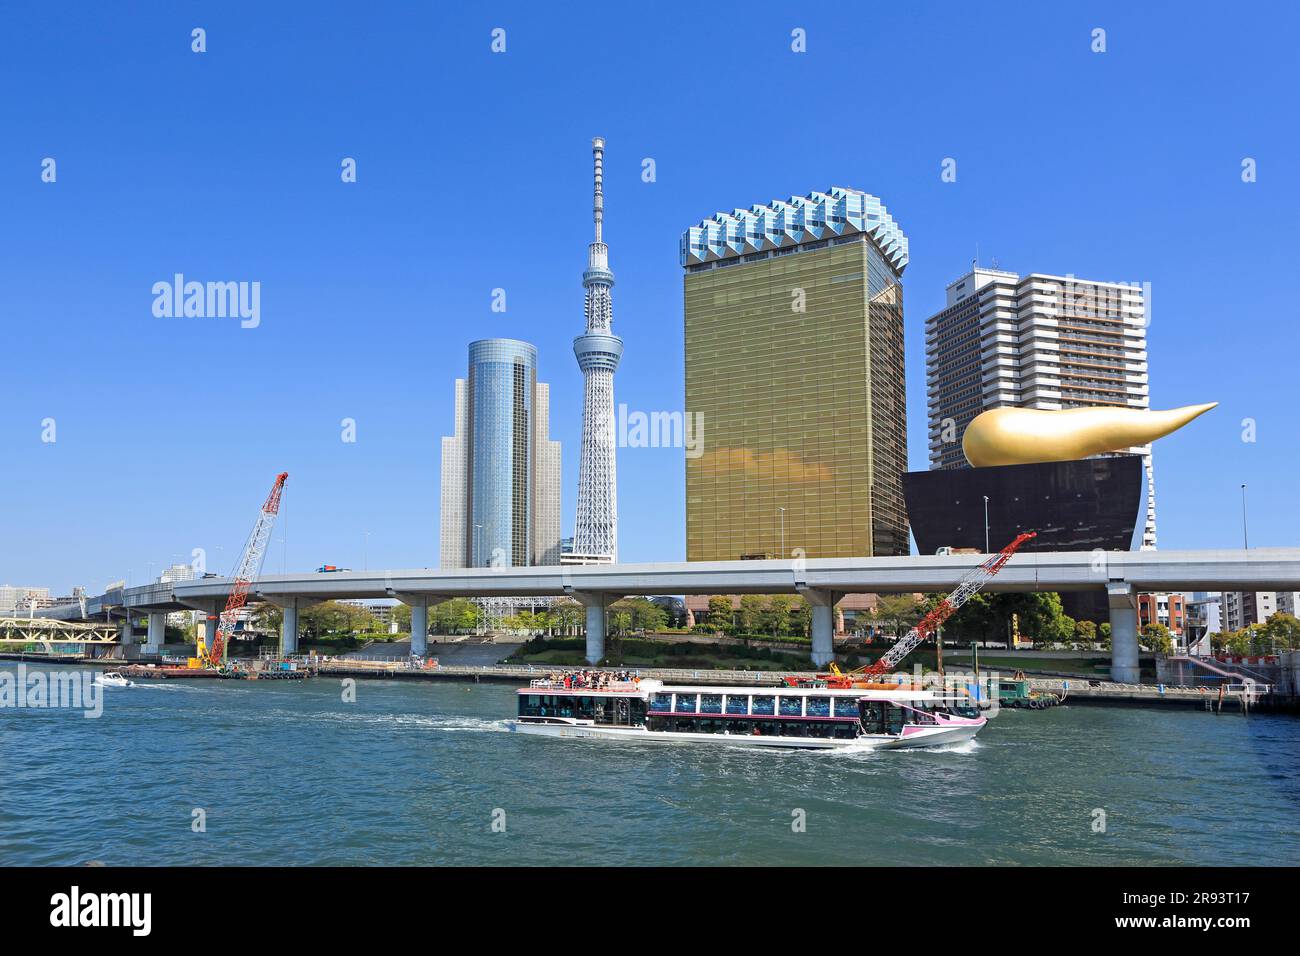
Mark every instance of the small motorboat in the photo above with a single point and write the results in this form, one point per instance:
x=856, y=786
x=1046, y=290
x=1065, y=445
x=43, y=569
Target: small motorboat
x=115, y=679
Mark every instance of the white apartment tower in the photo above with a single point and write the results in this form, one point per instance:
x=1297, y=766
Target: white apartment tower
x=1035, y=341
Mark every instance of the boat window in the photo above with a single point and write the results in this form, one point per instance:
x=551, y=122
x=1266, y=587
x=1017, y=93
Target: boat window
x=791, y=707
x=845, y=731
x=710, y=703
x=846, y=707
x=738, y=703
x=685, y=703
x=920, y=717
x=819, y=707
x=662, y=702
x=893, y=719
x=793, y=728
x=765, y=706
x=873, y=717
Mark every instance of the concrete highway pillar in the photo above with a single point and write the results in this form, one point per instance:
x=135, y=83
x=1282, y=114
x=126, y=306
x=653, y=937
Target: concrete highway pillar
x=823, y=623
x=597, y=625
x=1123, y=634
x=157, y=632
x=419, y=629
x=597, y=605
x=125, y=632
x=289, y=628
x=419, y=605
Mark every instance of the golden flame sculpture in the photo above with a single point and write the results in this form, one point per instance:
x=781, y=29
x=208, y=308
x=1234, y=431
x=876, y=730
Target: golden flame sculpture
x=1022, y=436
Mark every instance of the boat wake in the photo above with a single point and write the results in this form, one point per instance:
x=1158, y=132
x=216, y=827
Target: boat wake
x=436, y=722
x=962, y=747
x=853, y=752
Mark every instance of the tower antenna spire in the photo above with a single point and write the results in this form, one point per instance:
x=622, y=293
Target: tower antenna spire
x=598, y=200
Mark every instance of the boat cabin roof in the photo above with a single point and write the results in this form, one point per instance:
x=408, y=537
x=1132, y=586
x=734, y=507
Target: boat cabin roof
x=645, y=688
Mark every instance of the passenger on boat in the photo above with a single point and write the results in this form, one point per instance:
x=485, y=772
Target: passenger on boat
x=589, y=679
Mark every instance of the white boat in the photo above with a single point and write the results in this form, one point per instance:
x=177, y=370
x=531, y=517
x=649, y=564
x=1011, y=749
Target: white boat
x=804, y=717
x=115, y=679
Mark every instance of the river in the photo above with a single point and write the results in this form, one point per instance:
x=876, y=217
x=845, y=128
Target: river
x=427, y=773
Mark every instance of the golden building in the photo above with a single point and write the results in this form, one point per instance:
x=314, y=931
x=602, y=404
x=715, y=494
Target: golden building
x=794, y=373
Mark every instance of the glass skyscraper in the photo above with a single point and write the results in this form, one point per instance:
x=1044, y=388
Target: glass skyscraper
x=501, y=471
x=794, y=363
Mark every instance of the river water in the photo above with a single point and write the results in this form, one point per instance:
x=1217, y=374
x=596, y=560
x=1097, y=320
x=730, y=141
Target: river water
x=418, y=773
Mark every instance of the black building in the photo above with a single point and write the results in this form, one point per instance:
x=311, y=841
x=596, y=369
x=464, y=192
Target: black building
x=1072, y=505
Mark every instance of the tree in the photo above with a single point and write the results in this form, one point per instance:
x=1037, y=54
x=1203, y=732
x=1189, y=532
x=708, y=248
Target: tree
x=527, y=622
x=720, y=612
x=899, y=612
x=778, y=613
x=800, y=617
x=646, y=614
x=987, y=617
x=333, y=619
x=568, y=616
x=1085, y=631
x=976, y=620
x=1236, y=643
x=752, y=609
x=268, y=619
x=457, y=616
x=1157, y=637
x=1281, y=632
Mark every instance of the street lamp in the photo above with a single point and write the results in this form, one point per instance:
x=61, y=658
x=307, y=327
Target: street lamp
x=782, y=510
x=986, y=524
x=1245, y=541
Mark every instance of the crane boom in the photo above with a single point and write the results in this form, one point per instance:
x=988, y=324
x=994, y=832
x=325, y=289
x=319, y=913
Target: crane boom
x=250, y=566
x=970, y=585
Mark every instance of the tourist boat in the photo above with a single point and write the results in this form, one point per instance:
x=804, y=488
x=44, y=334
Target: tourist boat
x=813, y=717
x=114, y=679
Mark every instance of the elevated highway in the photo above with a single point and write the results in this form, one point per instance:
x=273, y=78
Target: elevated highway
x=822, y=581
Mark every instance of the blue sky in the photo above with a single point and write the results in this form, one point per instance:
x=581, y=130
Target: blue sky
x=474, y=174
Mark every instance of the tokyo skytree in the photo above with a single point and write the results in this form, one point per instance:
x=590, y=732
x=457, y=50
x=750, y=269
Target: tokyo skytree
x=595, y=539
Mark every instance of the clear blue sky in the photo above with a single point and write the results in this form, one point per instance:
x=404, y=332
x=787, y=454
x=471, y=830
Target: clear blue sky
x=474, y=173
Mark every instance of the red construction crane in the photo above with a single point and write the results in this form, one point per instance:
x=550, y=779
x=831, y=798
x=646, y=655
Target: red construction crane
x=250, y=566
x=928, y=625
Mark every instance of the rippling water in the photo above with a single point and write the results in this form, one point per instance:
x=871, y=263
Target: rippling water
x=412, y=773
